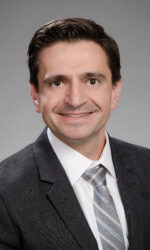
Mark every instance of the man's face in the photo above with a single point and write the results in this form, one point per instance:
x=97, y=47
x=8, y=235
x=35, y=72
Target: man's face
x=75, y=93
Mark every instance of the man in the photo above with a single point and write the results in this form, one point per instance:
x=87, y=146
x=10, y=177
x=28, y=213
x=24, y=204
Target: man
x=48, y=199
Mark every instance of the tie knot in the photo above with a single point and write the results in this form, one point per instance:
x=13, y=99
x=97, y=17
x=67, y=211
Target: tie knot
x=96, y=176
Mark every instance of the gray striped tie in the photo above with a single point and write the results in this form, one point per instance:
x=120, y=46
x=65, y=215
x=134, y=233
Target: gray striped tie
x=106, y=215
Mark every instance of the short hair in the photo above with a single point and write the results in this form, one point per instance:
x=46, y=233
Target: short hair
x=70, y=30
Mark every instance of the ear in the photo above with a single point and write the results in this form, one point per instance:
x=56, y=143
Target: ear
x=35, y=97
x=116, y=90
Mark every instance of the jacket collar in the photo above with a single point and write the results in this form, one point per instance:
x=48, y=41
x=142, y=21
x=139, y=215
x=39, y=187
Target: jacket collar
x=126, y=167
x=61, y=193
x=65, y=201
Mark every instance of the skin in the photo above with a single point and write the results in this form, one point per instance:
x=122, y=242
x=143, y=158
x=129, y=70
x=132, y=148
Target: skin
x=76, y=95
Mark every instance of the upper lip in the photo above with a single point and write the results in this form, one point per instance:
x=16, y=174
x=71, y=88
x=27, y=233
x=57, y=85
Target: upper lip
x=76, y=115
x=81, y=113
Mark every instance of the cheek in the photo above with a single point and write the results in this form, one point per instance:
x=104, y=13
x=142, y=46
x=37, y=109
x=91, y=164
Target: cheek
x=45, y=103
x=102, y=99
x=49, y=103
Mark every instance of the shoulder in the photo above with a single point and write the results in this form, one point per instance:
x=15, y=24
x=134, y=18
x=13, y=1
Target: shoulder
x=128, y=148
x=135, y=157
x=23, y=162
x=17, y=167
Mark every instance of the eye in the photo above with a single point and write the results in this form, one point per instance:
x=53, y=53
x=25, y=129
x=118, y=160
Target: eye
x=93, y=81
x=56, y=83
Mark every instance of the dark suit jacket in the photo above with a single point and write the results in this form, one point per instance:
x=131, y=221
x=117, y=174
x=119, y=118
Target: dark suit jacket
x=39, y=210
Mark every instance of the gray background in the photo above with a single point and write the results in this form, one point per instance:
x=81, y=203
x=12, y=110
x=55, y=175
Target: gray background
x=128, y=21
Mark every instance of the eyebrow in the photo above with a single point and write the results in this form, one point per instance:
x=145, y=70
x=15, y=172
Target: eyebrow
x=94, y=75
x=50, y=78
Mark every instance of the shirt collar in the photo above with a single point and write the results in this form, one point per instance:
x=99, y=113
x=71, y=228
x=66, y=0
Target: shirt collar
x=74, y=163
x=106, y=158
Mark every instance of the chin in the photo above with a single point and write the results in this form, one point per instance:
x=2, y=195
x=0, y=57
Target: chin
x=74, y=138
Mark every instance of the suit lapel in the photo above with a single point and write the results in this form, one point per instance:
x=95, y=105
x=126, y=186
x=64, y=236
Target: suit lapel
x=65, y=202
x=61, y=193
x=125, y=163
x=64, y=199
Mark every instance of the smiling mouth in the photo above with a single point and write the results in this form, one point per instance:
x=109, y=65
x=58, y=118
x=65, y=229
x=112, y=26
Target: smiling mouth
x=76, y=115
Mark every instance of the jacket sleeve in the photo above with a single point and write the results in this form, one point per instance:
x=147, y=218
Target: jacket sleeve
x=9, y=237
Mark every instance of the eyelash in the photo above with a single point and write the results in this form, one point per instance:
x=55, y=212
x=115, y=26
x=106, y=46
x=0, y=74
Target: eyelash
x=93, y=79
x=57, y=83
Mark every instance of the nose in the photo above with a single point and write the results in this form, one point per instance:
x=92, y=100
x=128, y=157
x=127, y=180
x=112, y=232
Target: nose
x=76, y=95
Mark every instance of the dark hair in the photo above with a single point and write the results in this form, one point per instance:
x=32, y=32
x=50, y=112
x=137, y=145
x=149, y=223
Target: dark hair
x=72, y=29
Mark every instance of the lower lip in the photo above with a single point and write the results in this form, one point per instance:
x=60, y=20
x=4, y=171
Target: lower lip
x=77, y=118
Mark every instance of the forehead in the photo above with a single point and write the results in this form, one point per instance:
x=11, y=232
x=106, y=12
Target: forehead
x=73, y=55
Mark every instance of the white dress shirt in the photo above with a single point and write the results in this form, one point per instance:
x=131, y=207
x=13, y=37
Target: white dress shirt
x=75, y=164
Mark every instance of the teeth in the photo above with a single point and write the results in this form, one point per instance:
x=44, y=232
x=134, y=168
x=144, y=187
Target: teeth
x=75, y=115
